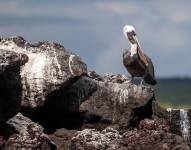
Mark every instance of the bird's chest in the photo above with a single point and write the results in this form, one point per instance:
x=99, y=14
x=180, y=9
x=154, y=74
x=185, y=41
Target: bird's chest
x=136, y=68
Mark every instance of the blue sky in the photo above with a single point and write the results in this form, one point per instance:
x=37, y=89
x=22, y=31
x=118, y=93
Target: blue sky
x=93, y=30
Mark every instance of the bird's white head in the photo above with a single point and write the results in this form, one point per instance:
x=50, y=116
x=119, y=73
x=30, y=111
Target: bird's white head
x=129, y=32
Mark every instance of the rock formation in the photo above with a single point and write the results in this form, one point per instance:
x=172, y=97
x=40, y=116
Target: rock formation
x=117, y=101
x=76, y=108
x=178, y=120
x=50, y=68
x=152, y=134
x=10, y=86
x=30, y=136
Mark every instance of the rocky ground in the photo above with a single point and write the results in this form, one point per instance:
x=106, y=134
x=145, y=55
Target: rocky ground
x=49, y=100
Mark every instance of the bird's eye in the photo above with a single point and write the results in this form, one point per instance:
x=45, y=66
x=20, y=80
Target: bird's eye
x=132, y=33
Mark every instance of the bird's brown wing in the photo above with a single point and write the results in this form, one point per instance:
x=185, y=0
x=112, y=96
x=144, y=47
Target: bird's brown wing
x=150, y=74
x=133, y=65
x=143, y=57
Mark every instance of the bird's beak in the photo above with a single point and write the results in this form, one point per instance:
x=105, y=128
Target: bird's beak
x=141, y=54
x=135, y=39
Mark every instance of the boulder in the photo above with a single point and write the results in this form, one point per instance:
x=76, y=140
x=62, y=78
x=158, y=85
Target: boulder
x=172, y=116
x=55, y=81
x=29, y=136
x=111, y=100
x=116, y=101
x=108, y=139
x=10, y=86
x=62, y=138
x=10, y=82
x=151, y=134
x=179, y=120
x=11, y=61
x=48, y=72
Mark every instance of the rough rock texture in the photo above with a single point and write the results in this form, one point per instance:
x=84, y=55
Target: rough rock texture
x=11, y=60
x=62, y=138
x=172, y=116
x=110, y=101
x=95, y=140
x=57, y=92
x=179, y=120
x=49, y=70
x=30, y=136
x=117, y=101
x=10, y=86
x=152, y=134
x=10, y=83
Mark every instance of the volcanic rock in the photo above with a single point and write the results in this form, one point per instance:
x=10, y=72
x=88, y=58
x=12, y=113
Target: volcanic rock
x=77, y=109
x=10, y=86
x=62, y=138
x=95, y=140
x=152, y=134
x=48, y=72
x=116, y=101
x=29, y=136
x=10, y=60
x=179, y=120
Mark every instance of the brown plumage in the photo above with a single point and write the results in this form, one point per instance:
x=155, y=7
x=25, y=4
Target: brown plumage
x=137, y=67
x=135, y=61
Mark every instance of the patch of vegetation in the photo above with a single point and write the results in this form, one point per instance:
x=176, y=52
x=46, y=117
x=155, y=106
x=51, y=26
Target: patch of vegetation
x=171, y=105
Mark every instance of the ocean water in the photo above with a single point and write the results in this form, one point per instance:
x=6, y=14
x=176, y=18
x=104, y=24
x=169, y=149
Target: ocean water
x=174, y=92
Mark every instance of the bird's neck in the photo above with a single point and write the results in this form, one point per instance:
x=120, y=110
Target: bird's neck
x=133, y=49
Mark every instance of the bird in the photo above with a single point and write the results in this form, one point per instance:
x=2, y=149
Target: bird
x=135, y=61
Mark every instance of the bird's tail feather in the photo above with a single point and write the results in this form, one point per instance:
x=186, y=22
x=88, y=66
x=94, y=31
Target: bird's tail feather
x=148, y=79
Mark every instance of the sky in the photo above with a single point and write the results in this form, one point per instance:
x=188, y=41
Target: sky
x=93, y=30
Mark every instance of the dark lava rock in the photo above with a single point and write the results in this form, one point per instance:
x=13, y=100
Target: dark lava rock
x=91, y=139
x=151, y=135
x=62, y=138
x=10, y=60
x=112, y=101
x=10, y=86
x=48, y=72
x=117, y=101
x=179, y=120
x=57, y=92
x=30, y=136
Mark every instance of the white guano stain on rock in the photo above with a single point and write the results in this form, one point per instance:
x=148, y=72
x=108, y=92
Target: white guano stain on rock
x=39, y=69
x=123, y=93
x=70, y=63
x=57, y=64
x=169, y=110
x=49, y=68
x=185, y=124
x=32, y=75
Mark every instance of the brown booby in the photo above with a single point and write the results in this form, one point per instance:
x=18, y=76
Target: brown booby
x=135, y=61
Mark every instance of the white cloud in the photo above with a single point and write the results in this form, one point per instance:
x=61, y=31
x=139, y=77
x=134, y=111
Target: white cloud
x=181, y=18
x=119, y=8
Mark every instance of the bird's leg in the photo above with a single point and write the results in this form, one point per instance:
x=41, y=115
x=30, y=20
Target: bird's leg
x=141, y=83
x=132, y=78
